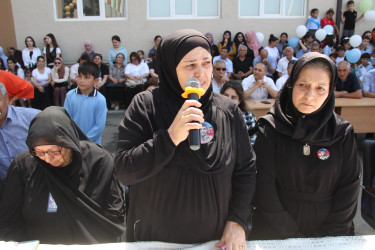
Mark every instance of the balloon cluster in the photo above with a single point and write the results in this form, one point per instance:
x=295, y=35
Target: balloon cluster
x=365, y=6
x=69, y=8
x=354, y=55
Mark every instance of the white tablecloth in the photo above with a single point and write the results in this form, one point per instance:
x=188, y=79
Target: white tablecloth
x=326, y=243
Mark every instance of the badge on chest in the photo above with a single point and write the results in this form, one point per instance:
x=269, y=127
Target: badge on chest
x=52, y=206
x=207, y=133
x=323, y=153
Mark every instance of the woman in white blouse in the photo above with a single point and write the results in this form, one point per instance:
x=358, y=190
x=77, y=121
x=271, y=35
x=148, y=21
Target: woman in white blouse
x=15, y=68
x=272, y=49
x=136, y=74
x=60, y=75
x=42, y=83
x=51, y=51
x=30, y=53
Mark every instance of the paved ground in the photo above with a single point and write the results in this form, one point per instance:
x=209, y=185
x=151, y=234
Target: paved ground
x=109, y=139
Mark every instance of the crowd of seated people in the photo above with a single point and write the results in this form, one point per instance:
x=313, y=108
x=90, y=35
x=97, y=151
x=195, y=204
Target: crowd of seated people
x=239, y=58
x=119, y=78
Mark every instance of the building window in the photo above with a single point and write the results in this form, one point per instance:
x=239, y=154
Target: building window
x=182, y=9
x=90, y=9
x=272, y=8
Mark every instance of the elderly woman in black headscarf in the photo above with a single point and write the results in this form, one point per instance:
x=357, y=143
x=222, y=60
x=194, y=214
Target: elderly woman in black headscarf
x=307, y=171
x=63, y=190
x=176, y=194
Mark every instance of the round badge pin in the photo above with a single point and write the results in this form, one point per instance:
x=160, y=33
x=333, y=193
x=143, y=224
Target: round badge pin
x=323, y=154
x=207, y=133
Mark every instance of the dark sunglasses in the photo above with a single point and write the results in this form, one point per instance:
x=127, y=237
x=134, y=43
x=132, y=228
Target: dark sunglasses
x=57, y=63
x=222, y=69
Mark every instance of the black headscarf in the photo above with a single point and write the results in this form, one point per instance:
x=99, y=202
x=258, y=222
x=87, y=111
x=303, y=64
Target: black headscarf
x=321, y=127
x=78, y=187
x=172, y=48
x=229, y=44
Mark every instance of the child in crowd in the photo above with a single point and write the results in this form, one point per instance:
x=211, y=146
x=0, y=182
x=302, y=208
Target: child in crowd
x=283, y=42
x=364, y=67
x=372, y=59
x=328, y=20
x=304, y=45
x=349, y=18
x=28, y=77
x=313, y=22
x=315, y=47
x=363, y=46
x=340, y=54
x=329, y=43
x=345, y=42
x=85, y=104
x=333, y=57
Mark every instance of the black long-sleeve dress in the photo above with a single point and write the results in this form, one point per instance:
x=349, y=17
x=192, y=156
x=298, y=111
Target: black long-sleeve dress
x=307, y=170
x=176, y=194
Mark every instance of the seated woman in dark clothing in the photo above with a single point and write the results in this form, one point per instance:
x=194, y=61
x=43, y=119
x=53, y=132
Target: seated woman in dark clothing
x=239, y=39
x=63, y=190
x=242, y=65
x=151, y=66
x=117, y=80
x=228, y=43
x=178, y=194
x=103, y=78
x=214, y=48
x=307, y=170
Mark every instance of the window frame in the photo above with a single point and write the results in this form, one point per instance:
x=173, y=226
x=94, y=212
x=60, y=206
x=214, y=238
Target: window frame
x=270, y=16
x=173, y=16
x=81, y=17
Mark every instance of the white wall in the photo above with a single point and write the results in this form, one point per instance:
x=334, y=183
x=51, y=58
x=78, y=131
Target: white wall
x=37, y=18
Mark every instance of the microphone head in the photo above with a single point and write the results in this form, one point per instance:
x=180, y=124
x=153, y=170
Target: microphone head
x=193, y=83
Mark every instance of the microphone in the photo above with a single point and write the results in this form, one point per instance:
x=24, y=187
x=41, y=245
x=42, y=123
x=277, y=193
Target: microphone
x=193, y=92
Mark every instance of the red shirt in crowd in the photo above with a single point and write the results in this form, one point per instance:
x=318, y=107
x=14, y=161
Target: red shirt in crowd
x=325, y=21
x=16, y=86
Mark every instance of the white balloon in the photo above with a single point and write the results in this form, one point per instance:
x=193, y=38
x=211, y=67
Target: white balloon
x=355, y=41
x=301, y=30
x=370, y=15
x=260, y=36
x=320, y=34
x=329, y=29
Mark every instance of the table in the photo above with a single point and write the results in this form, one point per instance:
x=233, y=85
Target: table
x=258, y=108
x=327, y=243
x=360, y=112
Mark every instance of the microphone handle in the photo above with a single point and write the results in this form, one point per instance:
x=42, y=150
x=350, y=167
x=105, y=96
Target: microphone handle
x=194, y=137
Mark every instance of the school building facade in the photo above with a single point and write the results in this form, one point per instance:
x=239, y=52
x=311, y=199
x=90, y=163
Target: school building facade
x=138, y=21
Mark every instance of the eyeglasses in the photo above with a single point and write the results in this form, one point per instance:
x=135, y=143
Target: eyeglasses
x=222, y=69
x=57, y=63
x=51, y=153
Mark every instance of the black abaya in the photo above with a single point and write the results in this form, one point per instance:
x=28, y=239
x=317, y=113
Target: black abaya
x=90, y=205
x=305, y=193
x=176, y=194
